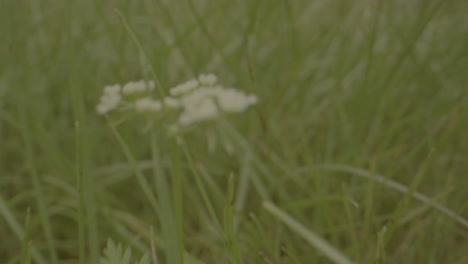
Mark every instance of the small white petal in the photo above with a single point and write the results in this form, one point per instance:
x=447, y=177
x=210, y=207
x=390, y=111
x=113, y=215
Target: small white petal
x=108, y=102
x=205, y=110
x=134, y=87
x=184, y=88
x=148, y=105
x=112, y=89
x=232, y=100
x=207, y=79
x=101, y=109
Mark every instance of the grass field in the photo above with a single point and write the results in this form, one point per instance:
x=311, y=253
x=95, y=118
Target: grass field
x=356, y=152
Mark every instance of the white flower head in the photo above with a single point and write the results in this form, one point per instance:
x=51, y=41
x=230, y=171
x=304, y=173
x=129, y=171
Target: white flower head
x=112, y=89
x=234, y=101
x=108, y=102
x=207, y=79
x=207, y=102
x=199, y=99
x=138, y=87
x=191, y=100
x=202, y=111
x=184, y=88
x=171, y=102
x=147, y=104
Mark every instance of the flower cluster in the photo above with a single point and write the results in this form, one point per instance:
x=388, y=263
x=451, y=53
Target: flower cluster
x=117, y=95
x=138, y=87
x=110, y=99
x=195, y=100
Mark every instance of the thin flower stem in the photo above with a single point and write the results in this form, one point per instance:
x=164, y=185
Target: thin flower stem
x=232, y=242
x=247, y=149
x=145, y=186
x=177, y=193
x=174, y=253
x=81, y=203
x=202, y=189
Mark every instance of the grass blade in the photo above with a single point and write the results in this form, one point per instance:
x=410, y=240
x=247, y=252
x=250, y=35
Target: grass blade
x=396, y=186
x=25, y=250
x=314, y=240
x=38, y=188
x=18, y=231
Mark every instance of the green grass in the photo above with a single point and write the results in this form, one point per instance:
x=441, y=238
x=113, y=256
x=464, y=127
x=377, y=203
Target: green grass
x=356, y=152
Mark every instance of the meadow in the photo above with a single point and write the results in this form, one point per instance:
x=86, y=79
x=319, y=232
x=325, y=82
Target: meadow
x=354, y=151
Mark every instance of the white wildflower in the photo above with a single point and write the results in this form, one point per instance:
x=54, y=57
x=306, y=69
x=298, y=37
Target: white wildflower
x=148, y=105
x=232, y=100
x=207, y=79
x=171, y=102
x=137, y=87
x=108, y=102
x=208, y=102
x=199, y=99
x=194, y=98
x=112, y=89
x=184, y=88
x=203, y=110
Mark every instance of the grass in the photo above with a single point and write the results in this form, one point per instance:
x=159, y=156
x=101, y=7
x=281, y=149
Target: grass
x=356, y=152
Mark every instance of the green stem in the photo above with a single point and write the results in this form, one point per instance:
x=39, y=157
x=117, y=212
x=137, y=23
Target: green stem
x=202, y=189
x=25, y=250
x=145, y=186
x=81, y=203
x=38, y=189
x=177, y=190
x=174, y=253
x=13, y=224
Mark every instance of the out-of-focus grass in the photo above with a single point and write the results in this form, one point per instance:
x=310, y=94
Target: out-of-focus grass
x=375, y=85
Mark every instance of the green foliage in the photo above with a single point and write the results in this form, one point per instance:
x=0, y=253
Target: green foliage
x=114, y=254
x=353, y=96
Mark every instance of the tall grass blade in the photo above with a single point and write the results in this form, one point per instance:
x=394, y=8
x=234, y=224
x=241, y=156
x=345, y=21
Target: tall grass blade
x=18, y=231
x=81, y=198
x=396, y=186
x=26, y=247
x=314, y=240
x=38, y=188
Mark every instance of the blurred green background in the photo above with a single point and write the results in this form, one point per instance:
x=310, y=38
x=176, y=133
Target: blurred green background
x=375, y=85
